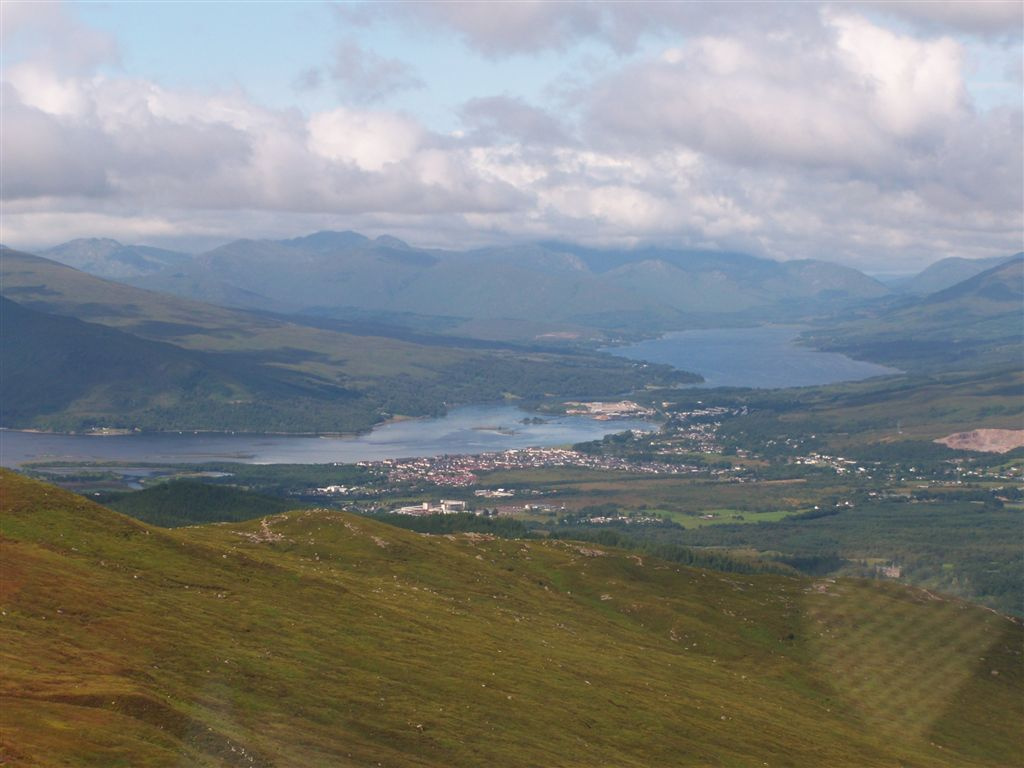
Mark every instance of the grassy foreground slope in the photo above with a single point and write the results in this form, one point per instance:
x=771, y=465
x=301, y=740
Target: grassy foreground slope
x=319, y=638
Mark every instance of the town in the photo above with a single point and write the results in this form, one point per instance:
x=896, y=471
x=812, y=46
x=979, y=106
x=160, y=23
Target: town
x=463, y=471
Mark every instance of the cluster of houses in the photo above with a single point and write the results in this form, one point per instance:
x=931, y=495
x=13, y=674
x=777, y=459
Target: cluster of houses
x=462, y=471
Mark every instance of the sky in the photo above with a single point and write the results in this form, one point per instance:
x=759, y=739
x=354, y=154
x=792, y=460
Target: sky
x=880, y=135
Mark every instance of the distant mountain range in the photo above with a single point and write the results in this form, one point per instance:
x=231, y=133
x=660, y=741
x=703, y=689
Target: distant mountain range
x=512, y=292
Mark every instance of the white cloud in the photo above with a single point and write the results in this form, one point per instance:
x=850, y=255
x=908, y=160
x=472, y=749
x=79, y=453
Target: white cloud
x=505, y=27
x=364, y=76
x=914, y=85
x=368, y=140
x=45, y=31
x=991, y=18
x=861, y=103
x=42, y=154
x=496, y=118
x=784, y=130
x=41, y=87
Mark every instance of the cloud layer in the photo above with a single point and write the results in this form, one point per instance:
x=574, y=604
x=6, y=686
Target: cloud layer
x=788, y=130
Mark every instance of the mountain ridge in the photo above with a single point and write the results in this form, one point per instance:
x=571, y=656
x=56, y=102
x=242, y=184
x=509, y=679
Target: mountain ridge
x=105, y=257
x=972, y=325
x=948, y=272
x=564, y=284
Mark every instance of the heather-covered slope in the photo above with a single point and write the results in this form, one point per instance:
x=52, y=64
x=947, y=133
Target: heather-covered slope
x=319, y=638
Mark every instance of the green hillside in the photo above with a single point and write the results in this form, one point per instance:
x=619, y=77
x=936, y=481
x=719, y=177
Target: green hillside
x=882, y=412
x=946, y=273
x=316, y=638
x=192, y=502
x=62, y=373
x=971, y=325
x=47, y=286
x=75, y=340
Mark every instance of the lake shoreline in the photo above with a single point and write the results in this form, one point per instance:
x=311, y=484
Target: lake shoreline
x=214, y=432
x=773, y=356
x=128, y=431
x=456, y=433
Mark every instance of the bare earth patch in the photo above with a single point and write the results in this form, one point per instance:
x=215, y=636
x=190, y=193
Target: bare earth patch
x=987, y=440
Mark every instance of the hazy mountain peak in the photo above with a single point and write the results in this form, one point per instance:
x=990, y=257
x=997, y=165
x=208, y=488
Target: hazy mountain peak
x=326, y=240
x=821, y=275
x=106, y=257
x=650, y=265
x=946, y=273
x=392, y=242
x=95, y=246
x=1003, y=283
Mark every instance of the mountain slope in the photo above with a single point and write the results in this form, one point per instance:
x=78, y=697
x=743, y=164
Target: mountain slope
x=1001, y=285
x=52, y=362
x=948, y=272
x=66, y=374
x=319, y=638
x=104, y=257
x=975, y=324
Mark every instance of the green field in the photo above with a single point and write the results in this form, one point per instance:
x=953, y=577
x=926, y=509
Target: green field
x=675, y=495
x=724, y=517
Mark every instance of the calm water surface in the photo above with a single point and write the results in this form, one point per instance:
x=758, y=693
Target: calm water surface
x=473, y=429
x=764, y=357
